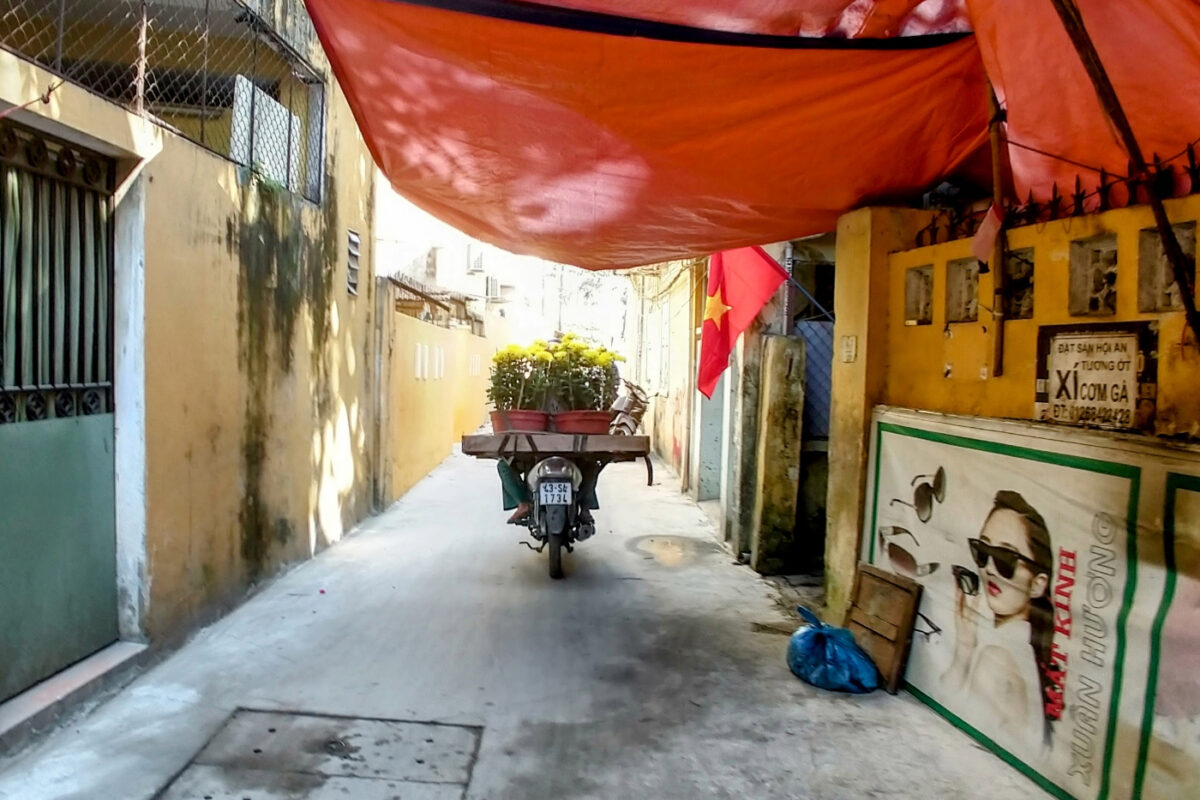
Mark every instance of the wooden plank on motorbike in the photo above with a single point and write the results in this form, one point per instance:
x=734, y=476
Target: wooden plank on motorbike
x=492, y=445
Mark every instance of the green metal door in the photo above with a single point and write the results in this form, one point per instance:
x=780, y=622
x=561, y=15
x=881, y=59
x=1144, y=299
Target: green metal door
x=57, y=502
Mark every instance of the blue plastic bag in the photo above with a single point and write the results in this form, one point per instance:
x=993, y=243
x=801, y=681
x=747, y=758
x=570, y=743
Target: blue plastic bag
x=828, y=657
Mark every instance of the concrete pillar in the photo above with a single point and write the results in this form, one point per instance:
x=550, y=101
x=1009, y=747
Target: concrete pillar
x=780, y=419
x=744, y=438
x=742, y=431
x=865, y=239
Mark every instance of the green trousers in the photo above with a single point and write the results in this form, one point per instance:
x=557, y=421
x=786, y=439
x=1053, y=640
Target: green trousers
x=516, y=492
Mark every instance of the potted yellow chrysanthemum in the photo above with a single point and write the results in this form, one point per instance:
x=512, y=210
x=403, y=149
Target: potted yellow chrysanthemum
x=584, y=380
x=519, y=382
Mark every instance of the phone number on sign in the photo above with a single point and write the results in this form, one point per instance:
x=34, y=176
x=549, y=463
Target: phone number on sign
x=1062, y=412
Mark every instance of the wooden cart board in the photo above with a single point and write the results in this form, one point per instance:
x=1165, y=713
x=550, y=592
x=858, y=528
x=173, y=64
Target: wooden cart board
x=497, y=445
x=882, y=615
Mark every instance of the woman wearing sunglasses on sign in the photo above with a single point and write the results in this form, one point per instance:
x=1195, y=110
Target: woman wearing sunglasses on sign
x=1003, y=664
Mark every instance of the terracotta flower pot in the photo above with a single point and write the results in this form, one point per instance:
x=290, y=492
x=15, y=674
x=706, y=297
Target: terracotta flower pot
x=592, y=422
x=519, y=420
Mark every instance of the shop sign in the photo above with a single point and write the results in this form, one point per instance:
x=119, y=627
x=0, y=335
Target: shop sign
x=1093, y=379
x=1096, y=377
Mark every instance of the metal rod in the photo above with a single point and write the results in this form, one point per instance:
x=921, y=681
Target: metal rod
x=139, y=100
x=58, y=46
x=290, y=106
x=999, y=300
x=251, y=152
x=204, y=80
x=1072, y=21
x=811, y=299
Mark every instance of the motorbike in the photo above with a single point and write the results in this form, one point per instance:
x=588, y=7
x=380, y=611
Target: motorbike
x=560, y=516
x=561, y=488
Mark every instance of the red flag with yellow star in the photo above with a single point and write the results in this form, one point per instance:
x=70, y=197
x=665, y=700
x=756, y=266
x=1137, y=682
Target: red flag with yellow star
x=740, y=282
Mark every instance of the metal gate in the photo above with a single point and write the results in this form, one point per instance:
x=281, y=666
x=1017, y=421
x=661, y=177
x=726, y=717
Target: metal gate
x=57, y=494
x=818, y=378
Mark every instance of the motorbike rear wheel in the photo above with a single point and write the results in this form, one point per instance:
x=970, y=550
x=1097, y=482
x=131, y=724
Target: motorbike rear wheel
x=556, y=548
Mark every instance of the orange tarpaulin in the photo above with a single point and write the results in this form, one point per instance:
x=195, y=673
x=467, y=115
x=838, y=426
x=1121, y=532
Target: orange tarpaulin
x=581, y=135
x=1151, y=51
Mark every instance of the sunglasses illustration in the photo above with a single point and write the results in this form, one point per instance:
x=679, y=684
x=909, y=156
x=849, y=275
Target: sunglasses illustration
x=904, y=561
x=934, y=630
x=1005, y=558
x=966, y=578
x=932, y=488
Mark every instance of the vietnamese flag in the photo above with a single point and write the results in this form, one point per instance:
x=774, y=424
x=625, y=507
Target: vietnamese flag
x=740, y=282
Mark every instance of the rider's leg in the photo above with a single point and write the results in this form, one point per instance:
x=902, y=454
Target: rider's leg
x=516, y=494
x=587, y=486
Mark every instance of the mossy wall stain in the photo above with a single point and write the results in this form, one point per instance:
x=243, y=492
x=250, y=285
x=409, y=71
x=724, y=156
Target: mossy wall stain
x=285, y=269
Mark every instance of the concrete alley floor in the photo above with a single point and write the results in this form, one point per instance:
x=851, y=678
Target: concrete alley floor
x=652, y=671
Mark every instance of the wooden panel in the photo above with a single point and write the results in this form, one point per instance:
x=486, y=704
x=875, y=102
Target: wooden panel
x=883, y=611
x=494, y=445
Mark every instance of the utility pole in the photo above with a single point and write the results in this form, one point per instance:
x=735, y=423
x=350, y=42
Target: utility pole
x=560, y=297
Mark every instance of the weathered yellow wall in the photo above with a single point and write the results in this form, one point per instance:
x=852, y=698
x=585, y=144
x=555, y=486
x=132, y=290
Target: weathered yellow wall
x=919, y=355
x=667, y=418
x=258, y=391
x=902, y=365
x=864, y=239
x=257, y=361
x=426, y=416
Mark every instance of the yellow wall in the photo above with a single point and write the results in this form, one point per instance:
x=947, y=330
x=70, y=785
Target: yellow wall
x=425, y=416
x=257, y=370
x=918, y=356
x=258, y=388
x=901, y=365
x=860, y=368
x=667, y=353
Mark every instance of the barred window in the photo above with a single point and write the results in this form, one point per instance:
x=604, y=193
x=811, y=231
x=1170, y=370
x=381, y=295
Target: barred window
x=214, y=71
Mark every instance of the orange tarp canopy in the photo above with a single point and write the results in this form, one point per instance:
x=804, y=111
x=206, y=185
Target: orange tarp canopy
x=612, y=133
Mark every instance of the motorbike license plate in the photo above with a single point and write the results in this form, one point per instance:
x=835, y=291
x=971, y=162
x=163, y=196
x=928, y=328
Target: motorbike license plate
x=555, y=493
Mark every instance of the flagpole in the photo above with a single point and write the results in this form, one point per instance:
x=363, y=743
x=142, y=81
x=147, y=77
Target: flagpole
x=796, y=284
x=999, y=255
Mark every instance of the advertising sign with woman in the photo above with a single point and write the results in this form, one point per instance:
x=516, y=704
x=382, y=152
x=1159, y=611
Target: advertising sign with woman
x=1169, y=759
x=1026, y=557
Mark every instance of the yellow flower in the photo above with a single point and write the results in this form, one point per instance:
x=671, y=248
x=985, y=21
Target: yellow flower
x=544, y=355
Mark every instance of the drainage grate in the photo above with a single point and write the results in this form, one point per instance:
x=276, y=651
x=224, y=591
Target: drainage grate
x=270, y=755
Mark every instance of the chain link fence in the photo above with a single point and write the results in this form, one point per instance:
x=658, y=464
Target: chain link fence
x=219, y=72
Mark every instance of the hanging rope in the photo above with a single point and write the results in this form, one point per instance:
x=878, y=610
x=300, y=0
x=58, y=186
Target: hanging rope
x=44, y=98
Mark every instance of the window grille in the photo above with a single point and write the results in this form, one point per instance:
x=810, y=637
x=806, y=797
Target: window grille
x=56, y=356
x=215, y=71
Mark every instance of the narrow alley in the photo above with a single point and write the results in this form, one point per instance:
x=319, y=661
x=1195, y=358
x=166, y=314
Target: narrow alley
x=654, y=670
